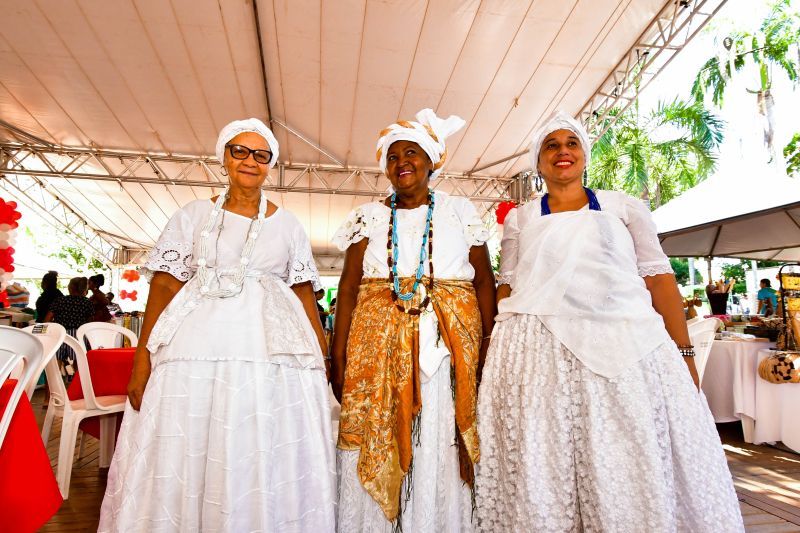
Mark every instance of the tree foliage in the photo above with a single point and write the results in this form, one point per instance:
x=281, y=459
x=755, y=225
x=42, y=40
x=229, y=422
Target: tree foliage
x=773, y=47
x=660, y=155
x=681, y=268
x=791, y=153
x=735, y=271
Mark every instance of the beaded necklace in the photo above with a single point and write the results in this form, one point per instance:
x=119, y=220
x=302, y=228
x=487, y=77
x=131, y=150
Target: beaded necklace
x=207, y=278
x=393, y=252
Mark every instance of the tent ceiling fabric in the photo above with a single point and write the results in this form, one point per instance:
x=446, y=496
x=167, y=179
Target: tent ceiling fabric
x=159, y=76
x=711, y=221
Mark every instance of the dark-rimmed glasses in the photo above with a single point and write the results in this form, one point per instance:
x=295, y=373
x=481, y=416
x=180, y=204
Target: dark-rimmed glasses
x=243, y=152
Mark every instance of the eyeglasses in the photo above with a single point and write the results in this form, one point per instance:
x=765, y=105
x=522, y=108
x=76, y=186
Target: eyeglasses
x=243, y=152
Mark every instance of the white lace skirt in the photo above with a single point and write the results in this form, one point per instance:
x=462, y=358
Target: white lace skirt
x=225, y=446
x=440, y=502
x=564, y=449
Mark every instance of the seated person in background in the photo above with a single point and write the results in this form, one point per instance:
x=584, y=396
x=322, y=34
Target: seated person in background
x=50, y=294
x=98, y=299
x=321, y=310
x=112, y=306
x=71, y=311
x=767, y=298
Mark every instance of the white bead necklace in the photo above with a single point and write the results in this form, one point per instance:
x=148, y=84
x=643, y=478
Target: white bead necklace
x=208, y=278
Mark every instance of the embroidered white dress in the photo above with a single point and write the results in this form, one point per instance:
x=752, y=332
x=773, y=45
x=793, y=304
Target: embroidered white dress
x=440, y=501
x=234, y=429
x=587, y=414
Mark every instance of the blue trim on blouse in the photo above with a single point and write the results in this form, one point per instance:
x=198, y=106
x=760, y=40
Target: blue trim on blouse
x=594, y=205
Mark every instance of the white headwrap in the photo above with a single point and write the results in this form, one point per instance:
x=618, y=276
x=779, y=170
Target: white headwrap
x=429, y=132
x=242, y=126
x=559, y=120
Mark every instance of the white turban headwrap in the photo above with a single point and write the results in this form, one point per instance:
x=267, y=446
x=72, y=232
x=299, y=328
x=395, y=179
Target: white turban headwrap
x=429, y=132
x=559, y=120
x=242, y=126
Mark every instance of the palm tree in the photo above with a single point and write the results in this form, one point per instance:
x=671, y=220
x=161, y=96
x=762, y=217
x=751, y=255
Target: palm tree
x=791, y=152
x=658, y=156
x=773, y=46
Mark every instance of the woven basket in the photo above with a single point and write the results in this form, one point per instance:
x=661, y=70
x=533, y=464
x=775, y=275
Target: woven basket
x=779, y=368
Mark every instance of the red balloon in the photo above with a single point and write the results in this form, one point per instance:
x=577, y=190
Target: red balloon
x=131, y=275
x=503, y=208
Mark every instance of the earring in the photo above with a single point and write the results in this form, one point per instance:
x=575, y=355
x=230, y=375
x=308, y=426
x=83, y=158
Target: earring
x=538, y=182
x=224, y=171
x=585, y=177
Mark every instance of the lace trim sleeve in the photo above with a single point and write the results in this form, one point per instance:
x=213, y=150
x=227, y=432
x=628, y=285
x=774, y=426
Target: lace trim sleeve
x=173, y=251
x=650, y=258
x=301, y=267
x=171, y=257
x=655, y=269
x=354, y=229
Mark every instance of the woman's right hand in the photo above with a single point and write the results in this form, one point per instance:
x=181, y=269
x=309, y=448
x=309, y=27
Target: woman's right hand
x=139, y=377
x=337, y=381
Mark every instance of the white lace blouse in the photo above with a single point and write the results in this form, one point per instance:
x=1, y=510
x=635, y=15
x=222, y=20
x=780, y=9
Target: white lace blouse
x=456, y=228
x=282, y=247
x=650, y=258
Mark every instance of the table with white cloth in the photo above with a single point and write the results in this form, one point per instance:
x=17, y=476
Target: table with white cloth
x=776, y=410
x=735, y=392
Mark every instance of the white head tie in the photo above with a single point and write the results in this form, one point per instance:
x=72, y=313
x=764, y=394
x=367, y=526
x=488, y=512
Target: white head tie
x=559, y=120
x=242, y=126
x=429, y=132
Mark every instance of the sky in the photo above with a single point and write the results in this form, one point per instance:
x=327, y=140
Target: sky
x=743, y=131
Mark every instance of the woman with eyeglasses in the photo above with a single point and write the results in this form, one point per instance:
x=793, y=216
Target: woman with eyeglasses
x=228, y=423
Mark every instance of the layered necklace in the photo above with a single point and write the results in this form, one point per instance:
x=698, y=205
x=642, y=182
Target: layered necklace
x=393, y=252
x=210, y=284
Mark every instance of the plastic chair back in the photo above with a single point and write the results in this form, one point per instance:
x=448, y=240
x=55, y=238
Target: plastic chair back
x=15, y=346
x=83, y=370
x=105, y=335
x=51, y=335
x=702, y=336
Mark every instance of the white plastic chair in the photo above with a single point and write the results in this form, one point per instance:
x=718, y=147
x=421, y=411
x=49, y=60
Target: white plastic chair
x=105, y=335
x=73, y=412
x=702, y=336
x=51, y=335
x=16, y=346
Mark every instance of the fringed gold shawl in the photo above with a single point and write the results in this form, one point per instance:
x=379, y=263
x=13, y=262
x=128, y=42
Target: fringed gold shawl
x=381, y=398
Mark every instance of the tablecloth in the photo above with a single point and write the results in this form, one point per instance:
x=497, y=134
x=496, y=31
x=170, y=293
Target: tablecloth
x=729, y=380
x=29, y=494
x=776, y=411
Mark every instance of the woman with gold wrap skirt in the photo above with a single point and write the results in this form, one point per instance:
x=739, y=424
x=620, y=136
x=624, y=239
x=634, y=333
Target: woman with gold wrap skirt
x=414, y=311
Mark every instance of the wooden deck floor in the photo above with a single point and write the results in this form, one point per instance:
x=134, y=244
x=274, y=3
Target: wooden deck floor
x=767, y=481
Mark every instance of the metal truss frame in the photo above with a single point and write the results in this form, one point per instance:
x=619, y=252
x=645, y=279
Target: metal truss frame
x=678, y=23
x=30, y=159
x=29, y=171
x=33, y=193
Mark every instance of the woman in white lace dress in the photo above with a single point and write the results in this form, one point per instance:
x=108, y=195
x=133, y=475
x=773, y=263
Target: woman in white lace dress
x=406, y=370
x=589, y=417
x=228, y=424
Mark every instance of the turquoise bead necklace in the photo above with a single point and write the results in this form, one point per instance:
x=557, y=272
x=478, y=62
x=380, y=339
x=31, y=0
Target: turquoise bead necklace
x=393, y=253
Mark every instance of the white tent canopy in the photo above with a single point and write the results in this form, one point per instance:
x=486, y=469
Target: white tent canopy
x=140, y=89
x=739, y=212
